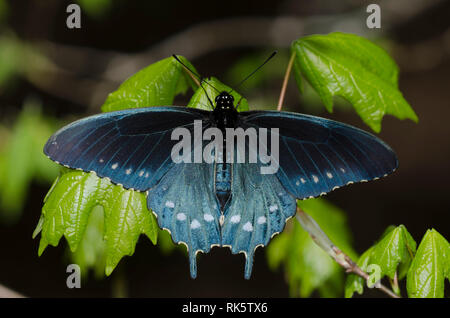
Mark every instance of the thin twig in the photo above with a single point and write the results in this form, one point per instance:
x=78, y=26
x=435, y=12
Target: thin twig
x=285, y=81
x=322, y=240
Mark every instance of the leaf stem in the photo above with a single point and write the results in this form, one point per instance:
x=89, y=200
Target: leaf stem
x=285, y=81
x=394, y=284
x=322, y=240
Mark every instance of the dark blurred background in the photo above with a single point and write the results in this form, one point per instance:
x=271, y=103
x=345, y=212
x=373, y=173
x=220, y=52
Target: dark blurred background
x=68, y=74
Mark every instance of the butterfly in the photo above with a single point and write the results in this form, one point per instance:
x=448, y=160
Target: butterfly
x=207, y=204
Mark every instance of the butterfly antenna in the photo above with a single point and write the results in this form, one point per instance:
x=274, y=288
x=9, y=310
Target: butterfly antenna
x=250, y=75
x=201, y=79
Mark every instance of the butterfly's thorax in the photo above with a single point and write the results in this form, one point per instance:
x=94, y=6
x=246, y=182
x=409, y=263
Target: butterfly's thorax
x=224, y=116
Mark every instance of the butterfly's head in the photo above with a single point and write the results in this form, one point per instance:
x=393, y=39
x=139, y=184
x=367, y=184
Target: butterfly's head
x=224, y=101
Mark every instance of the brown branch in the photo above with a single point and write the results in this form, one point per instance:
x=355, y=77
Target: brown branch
x=322, y=240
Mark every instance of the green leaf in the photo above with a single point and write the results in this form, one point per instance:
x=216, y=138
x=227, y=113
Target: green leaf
x=11, y=55
x=354, y=283
x=307, y=266
x=96, y=8
x=278, y=249
x=397, y=246
x=298, y=75
x=91, y=250
x=430, y=267
x=22, y=159
x=155, y=85
x=392, y=253
x=356, y=69
x=212, y=88
x=69, y=204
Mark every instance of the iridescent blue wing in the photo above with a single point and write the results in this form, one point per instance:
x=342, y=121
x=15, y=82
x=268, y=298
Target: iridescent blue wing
x=259, y=209
x=186, y=206
x=318, y=155
x=130, y=147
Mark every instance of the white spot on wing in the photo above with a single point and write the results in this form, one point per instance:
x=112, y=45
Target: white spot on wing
x=273, y=208
x=170, y=204
x=261, y=220
x=141, y=173
x=114, y=166
x=195, y=224
x=208, y=217
x=181, y=216
x=128, y=171
x=101, y=160
x=247, y=227
x=329, y=175
x=343, y=170
x=315, y=178
x=302, y=180
x=235, y=218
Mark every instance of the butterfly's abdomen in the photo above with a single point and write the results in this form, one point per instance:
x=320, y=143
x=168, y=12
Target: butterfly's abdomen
x=223, y=183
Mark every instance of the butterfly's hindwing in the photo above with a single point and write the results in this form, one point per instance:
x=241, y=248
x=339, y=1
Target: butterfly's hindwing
x=259, y=209
x=186, y=206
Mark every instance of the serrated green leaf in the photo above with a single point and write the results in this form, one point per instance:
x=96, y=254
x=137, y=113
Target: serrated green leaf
x=126, y=218
x=91, y=250
x=393, y=253
x=200, y=99
x=155, y=85
x=397, y=246
x=356, y=69
x=430, y=267
x=67, y=209
x=307, y=266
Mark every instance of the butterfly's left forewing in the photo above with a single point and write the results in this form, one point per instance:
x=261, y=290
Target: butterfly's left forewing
x=130, y=147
